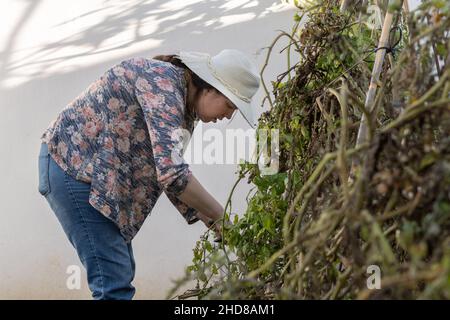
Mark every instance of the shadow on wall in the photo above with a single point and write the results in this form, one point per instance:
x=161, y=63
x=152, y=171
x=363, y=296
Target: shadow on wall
x=200, y=26
x=168, y=18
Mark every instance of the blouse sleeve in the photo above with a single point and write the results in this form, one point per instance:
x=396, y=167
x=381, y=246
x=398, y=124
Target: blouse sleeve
x=163, y=106
x=188, y=213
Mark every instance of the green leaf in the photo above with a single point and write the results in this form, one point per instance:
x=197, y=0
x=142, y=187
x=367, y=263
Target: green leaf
x=441, y=49
x=268, y=223
x=289, y=138
x=304, y=132
x=429, y=159
x=439, y=3
x=202, y=276
x=208, y=246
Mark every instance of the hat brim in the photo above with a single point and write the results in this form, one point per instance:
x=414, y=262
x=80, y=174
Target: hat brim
x=198, y=63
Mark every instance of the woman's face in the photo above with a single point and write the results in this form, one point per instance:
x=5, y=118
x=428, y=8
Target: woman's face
x=213, y=106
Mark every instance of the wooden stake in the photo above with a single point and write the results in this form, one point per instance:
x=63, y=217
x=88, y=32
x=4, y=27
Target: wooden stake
x=376, y=71
x=344, y=5
x=406, y=6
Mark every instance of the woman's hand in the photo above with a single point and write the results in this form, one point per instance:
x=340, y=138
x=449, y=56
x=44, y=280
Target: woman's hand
x=218, y=225
x=214, y=225
x=208, y=209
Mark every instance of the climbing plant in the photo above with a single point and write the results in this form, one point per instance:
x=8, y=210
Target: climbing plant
x=343, y=202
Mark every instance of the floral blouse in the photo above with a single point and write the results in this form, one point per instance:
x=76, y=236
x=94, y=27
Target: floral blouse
x=125, y=136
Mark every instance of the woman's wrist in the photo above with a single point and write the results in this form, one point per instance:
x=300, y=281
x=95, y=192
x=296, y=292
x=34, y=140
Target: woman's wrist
x=198, y=198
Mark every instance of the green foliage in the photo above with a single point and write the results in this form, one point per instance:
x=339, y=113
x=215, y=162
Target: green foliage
x=334, y=208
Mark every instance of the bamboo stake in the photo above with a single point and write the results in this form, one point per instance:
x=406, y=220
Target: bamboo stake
x=344, y=5
x=406, y=6
x=395, y=96
x=376, y=71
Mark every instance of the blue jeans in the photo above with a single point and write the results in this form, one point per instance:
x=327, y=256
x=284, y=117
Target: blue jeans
x=102, y=250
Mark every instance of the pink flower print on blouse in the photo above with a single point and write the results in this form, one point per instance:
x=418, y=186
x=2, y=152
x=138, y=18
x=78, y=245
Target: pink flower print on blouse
x=114, y=104
x=130, y=74
x=123, y=144
x=119, y=71
x=143, y=85
x=75, y=160
x=141, y=135
x=91, y=129
x=88, y=112
x=164, y=84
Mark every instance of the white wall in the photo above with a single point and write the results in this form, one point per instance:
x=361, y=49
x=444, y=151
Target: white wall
x=50, y=51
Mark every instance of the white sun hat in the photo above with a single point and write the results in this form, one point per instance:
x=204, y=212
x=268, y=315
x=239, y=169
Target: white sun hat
x=231, y=72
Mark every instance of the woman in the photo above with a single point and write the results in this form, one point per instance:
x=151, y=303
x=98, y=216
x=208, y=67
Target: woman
x=112, y=151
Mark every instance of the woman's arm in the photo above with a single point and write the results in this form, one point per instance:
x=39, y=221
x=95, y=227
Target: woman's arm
x=195, y=196
x=208, y=209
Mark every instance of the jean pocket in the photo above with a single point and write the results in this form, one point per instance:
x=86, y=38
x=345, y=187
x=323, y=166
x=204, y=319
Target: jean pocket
x=44, y=164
